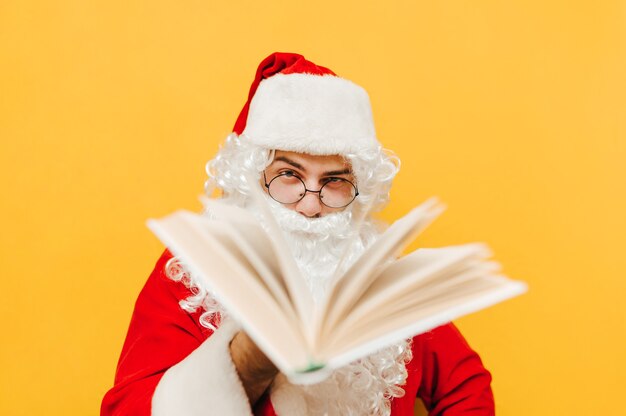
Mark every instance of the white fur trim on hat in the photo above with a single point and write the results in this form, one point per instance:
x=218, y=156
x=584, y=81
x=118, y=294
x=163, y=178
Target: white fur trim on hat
x=205, y=382
x=315, y=114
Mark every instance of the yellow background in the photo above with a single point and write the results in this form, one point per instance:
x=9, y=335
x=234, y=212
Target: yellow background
x=513, y=112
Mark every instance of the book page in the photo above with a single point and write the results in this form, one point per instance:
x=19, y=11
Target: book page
x=414, y=319
x=347, y=290
x=422, y=269
x=250, y=238
x=417, y=278
x=205, y=248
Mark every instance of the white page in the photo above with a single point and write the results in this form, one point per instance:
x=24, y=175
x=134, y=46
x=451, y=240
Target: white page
x=245, y=297
x=252, y=239
x=412, y=312
x=403, y=297
x=420, y=319
x=360, y=276
x=424, y=268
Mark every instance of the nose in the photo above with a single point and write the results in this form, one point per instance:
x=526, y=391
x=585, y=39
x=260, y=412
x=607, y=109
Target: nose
x=310, y=206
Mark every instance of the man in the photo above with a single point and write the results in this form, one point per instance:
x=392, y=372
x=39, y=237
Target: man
x=309, y=137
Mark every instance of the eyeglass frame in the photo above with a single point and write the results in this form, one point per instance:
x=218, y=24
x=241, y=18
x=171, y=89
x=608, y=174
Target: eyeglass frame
x=318, y=192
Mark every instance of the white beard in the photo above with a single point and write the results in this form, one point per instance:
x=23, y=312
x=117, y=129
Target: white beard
x=318, y=245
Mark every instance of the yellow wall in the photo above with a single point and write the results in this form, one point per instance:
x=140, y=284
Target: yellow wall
x=513, y=112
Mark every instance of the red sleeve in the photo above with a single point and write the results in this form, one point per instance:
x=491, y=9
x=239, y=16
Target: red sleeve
x=160, y=335
x=454, y=380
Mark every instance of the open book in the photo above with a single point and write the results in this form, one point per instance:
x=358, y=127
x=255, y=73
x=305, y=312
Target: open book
x=379, y=300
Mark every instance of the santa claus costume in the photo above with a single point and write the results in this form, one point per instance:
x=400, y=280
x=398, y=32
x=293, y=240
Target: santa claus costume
x=176, y=359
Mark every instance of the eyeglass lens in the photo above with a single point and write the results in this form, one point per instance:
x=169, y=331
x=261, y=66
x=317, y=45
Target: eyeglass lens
x=289, y=189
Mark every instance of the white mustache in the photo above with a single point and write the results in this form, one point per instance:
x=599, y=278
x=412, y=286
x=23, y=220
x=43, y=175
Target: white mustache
x=336, y=225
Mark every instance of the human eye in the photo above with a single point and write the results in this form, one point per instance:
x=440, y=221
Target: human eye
x=287, y=173
x=334, y=182
x=289, y=176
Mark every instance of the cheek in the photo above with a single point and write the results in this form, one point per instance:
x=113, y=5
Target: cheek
x=329, y=210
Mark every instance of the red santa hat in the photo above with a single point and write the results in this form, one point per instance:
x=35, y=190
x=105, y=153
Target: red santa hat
x=296, y=105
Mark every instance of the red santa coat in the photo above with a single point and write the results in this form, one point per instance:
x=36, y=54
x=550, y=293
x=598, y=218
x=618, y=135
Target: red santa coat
x=170, y=364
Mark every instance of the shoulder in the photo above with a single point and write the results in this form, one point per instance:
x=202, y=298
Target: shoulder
x=159, y=301
x=442, y=335
x=443, y=348
x=159, y=288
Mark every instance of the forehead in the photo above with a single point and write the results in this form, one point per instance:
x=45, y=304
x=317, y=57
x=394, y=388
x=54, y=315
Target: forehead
x=310, y=163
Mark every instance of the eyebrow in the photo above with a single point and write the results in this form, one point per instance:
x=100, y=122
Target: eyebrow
x=296, y=165
x=289, y=161
x=345, y=171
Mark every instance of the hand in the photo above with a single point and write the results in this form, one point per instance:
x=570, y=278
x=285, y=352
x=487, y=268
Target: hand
x=255, y=370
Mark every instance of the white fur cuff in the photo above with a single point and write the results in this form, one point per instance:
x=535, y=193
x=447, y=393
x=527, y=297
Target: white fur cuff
x=205, y=382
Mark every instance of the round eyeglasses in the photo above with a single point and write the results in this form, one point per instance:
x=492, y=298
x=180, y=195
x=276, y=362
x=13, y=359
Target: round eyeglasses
x=288, y=188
